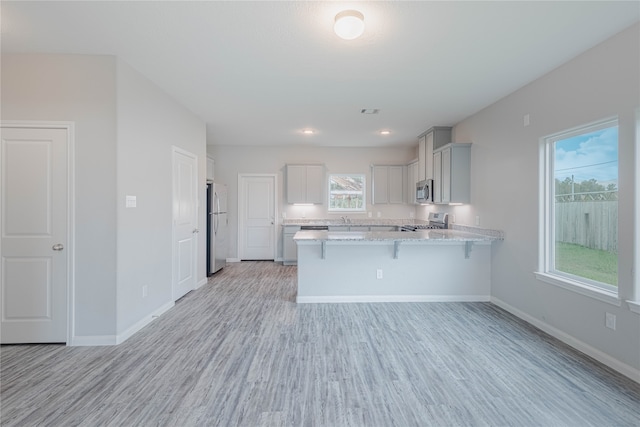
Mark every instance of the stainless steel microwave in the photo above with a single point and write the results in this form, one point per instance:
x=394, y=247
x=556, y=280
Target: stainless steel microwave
x=424, y=191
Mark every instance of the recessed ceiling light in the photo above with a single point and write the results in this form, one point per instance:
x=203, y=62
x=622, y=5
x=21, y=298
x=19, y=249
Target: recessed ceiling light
x=385, y=132
x=349, y=24
x=308, y=131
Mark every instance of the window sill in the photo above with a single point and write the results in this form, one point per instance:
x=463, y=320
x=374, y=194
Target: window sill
x=580, y=288
x=634, y=306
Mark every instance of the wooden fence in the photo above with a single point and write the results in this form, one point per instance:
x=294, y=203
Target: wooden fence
x=593, y=224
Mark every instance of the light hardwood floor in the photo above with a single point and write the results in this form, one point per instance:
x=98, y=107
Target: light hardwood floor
x=239, y=351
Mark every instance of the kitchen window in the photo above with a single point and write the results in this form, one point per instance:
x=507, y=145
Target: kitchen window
x=579, y=210
x=347, y=193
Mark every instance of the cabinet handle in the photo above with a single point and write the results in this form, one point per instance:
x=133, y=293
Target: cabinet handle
x=57, y=247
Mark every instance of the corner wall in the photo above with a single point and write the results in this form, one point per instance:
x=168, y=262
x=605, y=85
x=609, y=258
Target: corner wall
x=150, y=122
x=600, y=83
x=81, y=89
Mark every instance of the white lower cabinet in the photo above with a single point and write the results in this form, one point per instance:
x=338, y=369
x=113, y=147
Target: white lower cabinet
x=289, y=248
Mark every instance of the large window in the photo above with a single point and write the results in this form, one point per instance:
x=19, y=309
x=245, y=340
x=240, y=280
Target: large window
x=347, y=193
x=580, y=182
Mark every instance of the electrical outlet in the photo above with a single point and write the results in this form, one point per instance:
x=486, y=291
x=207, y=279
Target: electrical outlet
x=379, y=273
x=369, y=214
x=379, y=214
x=411, y=214
x=145, y=291
x=526, y=120
x=284, y=215
x=610, y=321
x=453, y=218
x=477, y=219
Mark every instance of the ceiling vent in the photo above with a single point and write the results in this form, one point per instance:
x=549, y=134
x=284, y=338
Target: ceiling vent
x=370, y=111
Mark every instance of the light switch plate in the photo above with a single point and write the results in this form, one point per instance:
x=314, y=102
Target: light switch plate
x=131, y=201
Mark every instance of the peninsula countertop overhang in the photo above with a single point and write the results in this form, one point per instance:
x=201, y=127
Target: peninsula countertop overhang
x=424, y=236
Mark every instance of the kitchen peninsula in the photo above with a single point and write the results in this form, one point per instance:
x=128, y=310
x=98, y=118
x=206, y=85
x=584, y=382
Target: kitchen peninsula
x=387, y=266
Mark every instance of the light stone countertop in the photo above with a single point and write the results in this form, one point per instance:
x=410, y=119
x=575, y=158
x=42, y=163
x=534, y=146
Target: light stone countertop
x=426, y=236
x=362, y=222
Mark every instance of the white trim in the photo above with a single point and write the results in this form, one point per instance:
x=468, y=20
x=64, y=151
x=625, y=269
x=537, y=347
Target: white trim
x=202, y=282
x=580, y=288
x=122, y=337
x=175, y=149
x=634, y=306
x=391, y=298
x=240, y=230
x=93, y=340
x=233, y=259
x=69, y=126
x=600, y=356
x=546, y=232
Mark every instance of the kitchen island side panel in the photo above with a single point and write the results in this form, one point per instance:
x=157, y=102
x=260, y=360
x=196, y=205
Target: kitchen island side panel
x=421, y=272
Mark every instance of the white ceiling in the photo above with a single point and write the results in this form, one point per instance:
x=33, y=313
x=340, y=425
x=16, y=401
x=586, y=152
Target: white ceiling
x=260, y=72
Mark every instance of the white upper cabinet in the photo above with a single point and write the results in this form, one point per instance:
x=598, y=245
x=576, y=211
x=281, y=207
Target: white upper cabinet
x=452, y=173
x=305, y=184
x=422, y=153
x=388, y=184
x=412, y=179
x=434, y=138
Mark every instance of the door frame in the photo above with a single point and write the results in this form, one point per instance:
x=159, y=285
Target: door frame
x=174, y=150
x=240, y=233
x=69, y=126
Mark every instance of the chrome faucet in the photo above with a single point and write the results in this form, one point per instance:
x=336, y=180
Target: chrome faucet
x=346, y=220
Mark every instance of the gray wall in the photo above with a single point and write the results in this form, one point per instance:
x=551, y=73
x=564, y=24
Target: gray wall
x=125, y=127
x=81, y=89
x=231, y=161
x=603, y=82
x=149, y=124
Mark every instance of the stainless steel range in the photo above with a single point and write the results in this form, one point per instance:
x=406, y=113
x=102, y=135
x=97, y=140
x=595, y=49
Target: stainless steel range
x=437, y=221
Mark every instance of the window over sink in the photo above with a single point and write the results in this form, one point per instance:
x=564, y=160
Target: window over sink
x=347, y=193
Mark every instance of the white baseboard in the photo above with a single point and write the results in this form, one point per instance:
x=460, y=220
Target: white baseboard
x=143, y=322
x=202, y=282
x=391, y=298
x=600, y=356
x=233, y=260
x=99, y=340
x=92, y=340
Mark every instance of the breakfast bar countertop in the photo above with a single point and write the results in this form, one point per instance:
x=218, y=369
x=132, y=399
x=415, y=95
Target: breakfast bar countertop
x=446, y=235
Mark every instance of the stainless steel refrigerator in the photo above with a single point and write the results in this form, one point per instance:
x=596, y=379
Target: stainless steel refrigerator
x=217, y=235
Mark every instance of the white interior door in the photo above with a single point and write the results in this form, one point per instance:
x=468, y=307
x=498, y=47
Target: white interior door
x=257, y=217
x=185, y=222
x=34, y=249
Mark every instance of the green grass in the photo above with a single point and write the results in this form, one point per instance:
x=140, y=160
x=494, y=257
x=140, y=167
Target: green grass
x=593, y=264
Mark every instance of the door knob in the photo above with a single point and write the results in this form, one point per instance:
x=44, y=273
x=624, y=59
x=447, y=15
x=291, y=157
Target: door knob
x=57, y=247
x=195, y=230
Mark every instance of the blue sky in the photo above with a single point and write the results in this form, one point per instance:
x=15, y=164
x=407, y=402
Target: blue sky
x=591, y=155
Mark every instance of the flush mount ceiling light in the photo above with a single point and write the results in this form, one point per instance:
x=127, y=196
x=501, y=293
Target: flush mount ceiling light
x=385, y=132
x=349, y=24
x=308, y=132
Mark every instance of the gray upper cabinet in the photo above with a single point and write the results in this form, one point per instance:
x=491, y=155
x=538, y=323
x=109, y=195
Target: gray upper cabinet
x=436, y=137
x=441, y=136
x=305, y=184
x=452, y=173
x=412, y=179
x=388, y=184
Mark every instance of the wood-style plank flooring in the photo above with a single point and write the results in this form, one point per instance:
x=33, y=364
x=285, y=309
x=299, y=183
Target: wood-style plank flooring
x=240, y=352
